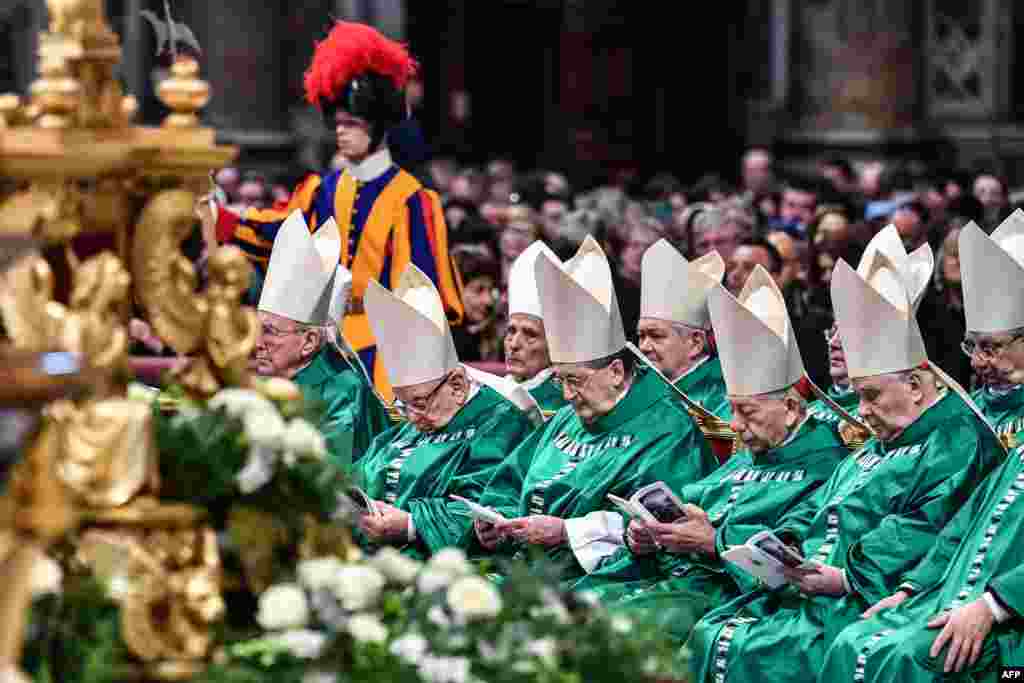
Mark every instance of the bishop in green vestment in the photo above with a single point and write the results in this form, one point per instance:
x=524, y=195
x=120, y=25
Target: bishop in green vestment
x=460, y=424
x=883, y=507
x=786, y=455
x=621, y=432
x=527, y=359
x=301, y=303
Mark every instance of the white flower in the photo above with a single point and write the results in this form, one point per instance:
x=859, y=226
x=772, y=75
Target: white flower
x=445, y=669
x=544, y=649
x=450, y=561
x=473, y=597
x=264, y=429
x=438, y=617
x=319, y=572
x=430, y=580
x=396, y=566
x=316, y=676
x=410, y=648
x=303, y=440
x=46, y=577
x=367, y=628
x=283, y=607
x=621, y=624
x=301, y=643
x=241, y=402
x=258, y=470
x=357, y=586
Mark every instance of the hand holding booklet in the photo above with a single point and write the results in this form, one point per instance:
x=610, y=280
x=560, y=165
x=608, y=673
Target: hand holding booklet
x=358, y=501
x=764, y=555
x=652, y=503
x=481, y=512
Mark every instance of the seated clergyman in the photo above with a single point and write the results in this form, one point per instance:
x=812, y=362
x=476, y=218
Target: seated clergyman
x=526, y=346
x=962, y=615
x=674, y=330
x=882, y=509
x=785, y=455
x=302, y=301
x=840, y=391
x=459, y=424
x=623, y=432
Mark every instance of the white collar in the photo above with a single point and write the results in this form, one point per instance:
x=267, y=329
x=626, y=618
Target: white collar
x=538, y=379
x=371, y=167
x=692, y=368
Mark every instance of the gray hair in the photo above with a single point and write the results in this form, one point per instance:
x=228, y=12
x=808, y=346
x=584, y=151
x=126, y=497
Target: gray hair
x=682, y=329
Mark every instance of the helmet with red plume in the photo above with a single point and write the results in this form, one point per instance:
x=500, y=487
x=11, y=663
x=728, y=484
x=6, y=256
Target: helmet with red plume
x=359, y=70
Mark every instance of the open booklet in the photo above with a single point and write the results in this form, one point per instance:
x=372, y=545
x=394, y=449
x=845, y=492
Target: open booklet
x=356, y=500
x=764, y=555
x=481, y=512
x=653, y=503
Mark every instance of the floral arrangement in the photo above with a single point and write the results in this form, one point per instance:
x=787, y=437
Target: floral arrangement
x=391, y=618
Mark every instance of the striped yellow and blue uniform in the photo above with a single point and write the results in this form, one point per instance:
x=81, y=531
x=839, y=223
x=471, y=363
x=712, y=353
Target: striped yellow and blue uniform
x=385, y=224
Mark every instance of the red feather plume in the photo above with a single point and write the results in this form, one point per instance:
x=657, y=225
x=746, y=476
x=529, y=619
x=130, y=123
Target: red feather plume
x=349, y=50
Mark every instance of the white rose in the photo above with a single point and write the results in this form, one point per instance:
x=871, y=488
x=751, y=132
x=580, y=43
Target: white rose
x=319, y=572
x=396, y=566
x=258, y=471
x=283, y=607
x=450, y=561
x=264, y=429
x=473, y=597
x=445, y=669
x=241, y=402
x=303, y=440
x=430, y=580
x=357, y=586
x=621, y=624
x=544, y=649
x=301, y=643
x=366, y=628
x=46, y=577
x=410, y=648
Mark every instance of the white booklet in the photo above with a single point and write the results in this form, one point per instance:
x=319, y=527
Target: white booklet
x=481, y=512
x=652, y=503
x=764, y=555
x=356, y=499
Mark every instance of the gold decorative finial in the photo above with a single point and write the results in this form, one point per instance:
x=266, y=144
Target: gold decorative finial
x=184, y=93
x=56, y=93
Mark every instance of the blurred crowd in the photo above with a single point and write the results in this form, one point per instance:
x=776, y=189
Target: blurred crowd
x=795, y=224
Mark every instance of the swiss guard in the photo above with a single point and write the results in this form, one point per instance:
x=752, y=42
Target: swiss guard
x=881, y=510
x=301, y=304
x=386, y=218
x=623, y=431
x=458, y=424
x=785, y=455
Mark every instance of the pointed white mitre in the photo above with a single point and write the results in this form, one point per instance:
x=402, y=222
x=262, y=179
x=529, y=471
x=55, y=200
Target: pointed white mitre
x=993, y=275
x=411, y=329
x=304, y=281
x=580, y=312
x=915, y=269
x=522, y=280
x=756, y=341
x=675, y=289
x=877, y=318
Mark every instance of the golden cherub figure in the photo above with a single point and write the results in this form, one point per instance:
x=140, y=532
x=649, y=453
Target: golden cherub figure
x=212, y=325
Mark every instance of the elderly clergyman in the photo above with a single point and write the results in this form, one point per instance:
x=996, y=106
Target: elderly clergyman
x=950, y=611
x=460, y=423
x=883, y=507
x=302, y=302
x=527, y=358
x=674, y=330
x=785, y=456
x=624, y=430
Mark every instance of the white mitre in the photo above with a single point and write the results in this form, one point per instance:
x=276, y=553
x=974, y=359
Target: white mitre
x=992, y=268
x=522, y=280
x=411, y=329
x=676, y=290
x=579, y=308
x=756, y=341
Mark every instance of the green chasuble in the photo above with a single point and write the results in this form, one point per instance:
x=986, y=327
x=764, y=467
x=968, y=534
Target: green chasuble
x=417, y=472
x=706, y=385
x=875, y=518
x=747, y=494
x=545, y=392
x=566, y=469
x=847, y=400
x=1004, y=411
x=986, y=543
x=352, y=414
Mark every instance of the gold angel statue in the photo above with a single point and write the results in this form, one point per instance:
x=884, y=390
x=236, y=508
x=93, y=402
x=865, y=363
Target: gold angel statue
x=210, y=324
